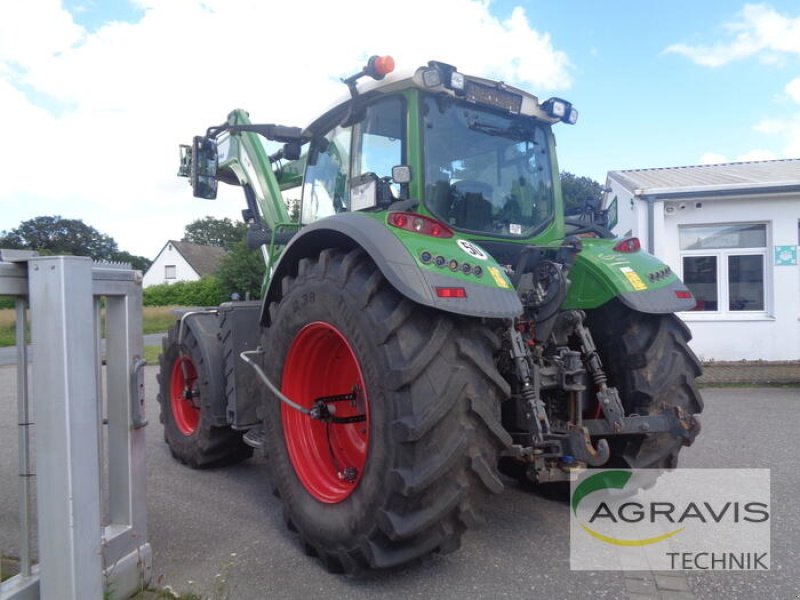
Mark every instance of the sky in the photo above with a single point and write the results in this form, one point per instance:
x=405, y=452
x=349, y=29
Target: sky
x=96, y=95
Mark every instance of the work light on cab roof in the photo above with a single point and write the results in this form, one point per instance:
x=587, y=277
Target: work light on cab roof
x=498, y=95
x=561, y=109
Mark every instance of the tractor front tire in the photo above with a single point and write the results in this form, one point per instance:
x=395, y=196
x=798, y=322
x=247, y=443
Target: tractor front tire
x=188, y=385
x=648, y=359
x=405, y=474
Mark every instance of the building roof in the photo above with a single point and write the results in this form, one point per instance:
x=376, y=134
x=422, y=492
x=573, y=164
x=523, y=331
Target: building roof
x=203, y=259
x=766, y=176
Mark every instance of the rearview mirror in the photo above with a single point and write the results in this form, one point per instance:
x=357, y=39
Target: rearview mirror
x=401, y=174
x=203, y=169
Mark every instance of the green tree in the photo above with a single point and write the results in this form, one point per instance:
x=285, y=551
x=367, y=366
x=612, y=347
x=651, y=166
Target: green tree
x=242, y=272
x=210, y=231
x=577, y=191
x=140, y=263
x=56, y=235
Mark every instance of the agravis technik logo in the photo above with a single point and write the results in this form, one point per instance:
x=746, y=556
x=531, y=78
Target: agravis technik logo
x=714, y=519
x=613, y=480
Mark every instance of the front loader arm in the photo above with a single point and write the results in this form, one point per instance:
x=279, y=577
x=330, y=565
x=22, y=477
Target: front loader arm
x=233, y=153
x=242, y=155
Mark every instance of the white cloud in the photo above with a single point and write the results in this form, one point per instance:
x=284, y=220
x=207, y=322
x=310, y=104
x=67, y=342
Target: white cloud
x=769, y=126
x=31, y=32
x=786, y=129
x=792, y=90
x=713, y=158
x=760, y=30
x=129, y=93
x=757, y=154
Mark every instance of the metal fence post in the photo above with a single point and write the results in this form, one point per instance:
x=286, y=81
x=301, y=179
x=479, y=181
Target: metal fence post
x=65, y=413
x=24, y=441
x=128, y=558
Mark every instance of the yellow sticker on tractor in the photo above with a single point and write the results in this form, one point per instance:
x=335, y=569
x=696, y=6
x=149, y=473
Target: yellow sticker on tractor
x=634, y=279
x=498, y=278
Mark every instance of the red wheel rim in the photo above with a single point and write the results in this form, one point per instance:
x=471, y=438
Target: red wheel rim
x=328, y=458
x=182, y=389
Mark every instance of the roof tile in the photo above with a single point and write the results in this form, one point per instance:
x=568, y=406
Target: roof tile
x=203, y=259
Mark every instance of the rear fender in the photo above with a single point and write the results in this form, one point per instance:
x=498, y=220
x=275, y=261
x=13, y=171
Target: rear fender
x=640, y=281
x=204, y=325
x=398, y=255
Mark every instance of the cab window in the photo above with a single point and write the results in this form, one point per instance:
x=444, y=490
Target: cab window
x=380, y=139
x=325, y=188
x=373, y=145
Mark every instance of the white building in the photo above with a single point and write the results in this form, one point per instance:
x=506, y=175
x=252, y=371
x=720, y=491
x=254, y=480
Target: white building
x=731, y=232
x=183, y=261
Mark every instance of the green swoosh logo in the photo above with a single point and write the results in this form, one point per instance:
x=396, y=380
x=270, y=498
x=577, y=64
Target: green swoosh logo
x=601, y=481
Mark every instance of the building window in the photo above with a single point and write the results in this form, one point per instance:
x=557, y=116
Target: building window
x=169, y=272
x=725, y=266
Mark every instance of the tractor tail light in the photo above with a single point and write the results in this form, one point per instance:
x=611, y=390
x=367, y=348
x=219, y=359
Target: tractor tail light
x=451, y=292
x=419, y=224
x=683, y=294
x=630, y=244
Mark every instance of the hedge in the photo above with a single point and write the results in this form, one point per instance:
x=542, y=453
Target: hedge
x=204, y=292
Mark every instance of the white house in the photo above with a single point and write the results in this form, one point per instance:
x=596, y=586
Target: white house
x=731, y=231
x=183, y=261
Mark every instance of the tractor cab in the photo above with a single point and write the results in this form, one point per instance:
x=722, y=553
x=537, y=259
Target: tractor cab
x=473, y=154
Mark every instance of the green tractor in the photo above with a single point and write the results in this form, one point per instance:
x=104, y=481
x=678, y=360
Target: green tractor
x=431, y=322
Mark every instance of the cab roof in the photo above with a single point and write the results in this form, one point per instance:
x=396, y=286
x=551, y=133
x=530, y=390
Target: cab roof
x=413, y=78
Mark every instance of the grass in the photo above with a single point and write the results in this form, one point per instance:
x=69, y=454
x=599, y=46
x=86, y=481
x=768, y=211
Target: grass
x=8, y=332
x=151, y=354
x=9, y=566
x=155, y=319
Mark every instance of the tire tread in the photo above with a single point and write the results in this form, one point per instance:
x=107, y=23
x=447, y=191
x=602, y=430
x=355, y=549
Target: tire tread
x=445, y=431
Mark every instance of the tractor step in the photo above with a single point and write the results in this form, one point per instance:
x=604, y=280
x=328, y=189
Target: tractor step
x=254, y=438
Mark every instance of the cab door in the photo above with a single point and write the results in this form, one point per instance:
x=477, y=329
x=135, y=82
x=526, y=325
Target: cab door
x=365, y=151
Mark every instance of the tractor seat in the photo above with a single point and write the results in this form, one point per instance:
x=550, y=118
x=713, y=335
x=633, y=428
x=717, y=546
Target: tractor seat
x=472, y=208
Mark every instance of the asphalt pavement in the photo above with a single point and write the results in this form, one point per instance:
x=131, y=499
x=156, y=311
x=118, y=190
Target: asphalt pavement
x=220, y=532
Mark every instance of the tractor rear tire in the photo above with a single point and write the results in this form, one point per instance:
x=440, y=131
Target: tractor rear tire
x=648, y=359
x=408, y=476
x=189, y=428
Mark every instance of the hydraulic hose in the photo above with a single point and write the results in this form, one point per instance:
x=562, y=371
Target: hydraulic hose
x=272, y=387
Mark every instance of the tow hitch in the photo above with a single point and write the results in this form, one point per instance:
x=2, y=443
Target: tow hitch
x=557, y=450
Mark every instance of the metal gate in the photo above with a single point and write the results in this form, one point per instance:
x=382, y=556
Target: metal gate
x=81, y=436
